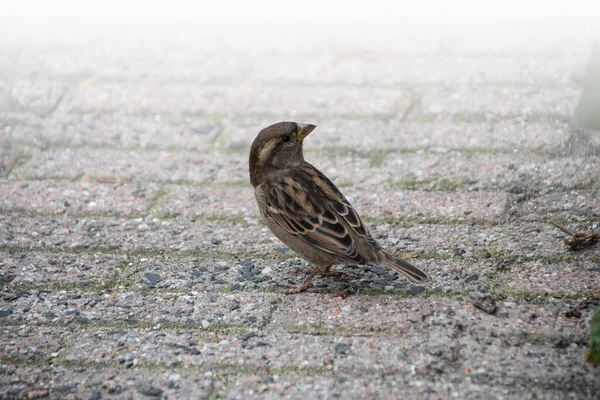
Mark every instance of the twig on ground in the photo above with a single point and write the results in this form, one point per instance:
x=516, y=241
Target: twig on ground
x=579, y=238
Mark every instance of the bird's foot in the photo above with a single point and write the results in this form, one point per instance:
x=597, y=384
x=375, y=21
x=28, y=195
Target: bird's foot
x=294, y=289
x=337, y=274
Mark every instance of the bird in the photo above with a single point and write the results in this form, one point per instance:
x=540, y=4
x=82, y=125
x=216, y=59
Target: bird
x=307, y=212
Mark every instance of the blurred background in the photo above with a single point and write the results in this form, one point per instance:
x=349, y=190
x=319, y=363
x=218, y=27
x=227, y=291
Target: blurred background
x=396, y=89
x=283, y=59
x=236, y=62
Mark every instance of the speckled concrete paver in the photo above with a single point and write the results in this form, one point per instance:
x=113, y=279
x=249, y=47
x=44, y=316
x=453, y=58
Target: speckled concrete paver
x=134, y=264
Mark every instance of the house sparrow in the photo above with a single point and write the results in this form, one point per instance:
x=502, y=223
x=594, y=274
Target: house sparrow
x=307, y=212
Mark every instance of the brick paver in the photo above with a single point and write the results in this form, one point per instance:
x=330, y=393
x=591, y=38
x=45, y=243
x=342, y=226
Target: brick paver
x=134, y=264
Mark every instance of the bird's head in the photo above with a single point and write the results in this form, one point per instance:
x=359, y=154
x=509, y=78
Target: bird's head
x=278, y=146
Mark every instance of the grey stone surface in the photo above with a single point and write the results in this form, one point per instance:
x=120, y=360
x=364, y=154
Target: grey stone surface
x=173, y=273
x=495, y=103
x=81, y=198
x=134, y=265
x=571, y=278
x=578, y=203
x=132, y=165
x=379, y=68
x=37, y=96
x=195, y=310
x=400, y=135
x=513, y=173
x=499, y=241
x=43, y=270
x=109, y=131
x=457, y=206
x=397, y=316
x=437, y=168
x=8, y=158
x=385, y=203
x=58, y=382
x=223, y=100
x=395, y=134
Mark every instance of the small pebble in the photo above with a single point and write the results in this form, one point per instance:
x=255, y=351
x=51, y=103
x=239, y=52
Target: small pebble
x=153, y=279
x=150, y=391
x=484, y=302
x=342, y=348
x=416, y=290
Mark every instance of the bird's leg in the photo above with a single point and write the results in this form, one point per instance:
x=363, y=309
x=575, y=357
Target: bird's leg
x=293, y=289
x=324, y=271
x=338, y=274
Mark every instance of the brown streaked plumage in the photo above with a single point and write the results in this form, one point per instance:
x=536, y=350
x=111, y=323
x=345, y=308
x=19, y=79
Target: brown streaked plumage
x=306, y=211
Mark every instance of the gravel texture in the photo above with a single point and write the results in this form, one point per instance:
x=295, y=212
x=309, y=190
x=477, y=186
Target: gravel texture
x=134, y=265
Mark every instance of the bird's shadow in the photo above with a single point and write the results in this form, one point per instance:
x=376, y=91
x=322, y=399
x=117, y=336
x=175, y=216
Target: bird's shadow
x=356, y=279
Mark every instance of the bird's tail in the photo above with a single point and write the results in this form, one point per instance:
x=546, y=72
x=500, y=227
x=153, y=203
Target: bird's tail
x=413, y=273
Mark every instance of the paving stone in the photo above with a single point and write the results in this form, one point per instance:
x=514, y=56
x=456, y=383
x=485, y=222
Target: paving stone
x=495, y=103
x=124, y=57
x=134, y=234
x=460, y=275
x=38, y=96
x=8, y=158
x=379, y=68
x=434, y=344
x=24, y=344
x=114, y=165
x=227, y=100
x=196, y=310
x=450, y=170
x=498, y=242
x=193, y=202
x=418, y=38
x=57, y=382
x=437, y=136
x=117, y=383
x=531, y=207
x=152, y=132
x=9, y=103
x=463, y=274
x=81, y=198
x=429, y=170
x=58, y=270
x=240, y=202
x=458, y=206
x=296, y=386
x=496, y=38
x=239, y=134
x=407, y=356
x=17, y=125
x=495, y=242
x=444, y=162
x=394, y=315
x=175, y=273
x=518, y=173
x=576, y=278
x=182, y=274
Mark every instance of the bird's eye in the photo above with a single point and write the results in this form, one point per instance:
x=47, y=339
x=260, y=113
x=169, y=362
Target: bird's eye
x=286, y=139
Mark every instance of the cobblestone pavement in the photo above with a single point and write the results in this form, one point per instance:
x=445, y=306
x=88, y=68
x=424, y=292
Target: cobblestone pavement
x=134, y=264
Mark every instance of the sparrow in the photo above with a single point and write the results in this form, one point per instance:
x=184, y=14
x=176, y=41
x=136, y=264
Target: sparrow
x=307, y=212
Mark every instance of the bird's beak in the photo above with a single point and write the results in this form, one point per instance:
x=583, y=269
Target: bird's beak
x=304, y=130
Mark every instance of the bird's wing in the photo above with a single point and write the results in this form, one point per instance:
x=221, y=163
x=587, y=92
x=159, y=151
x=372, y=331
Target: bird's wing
x=308, y=205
